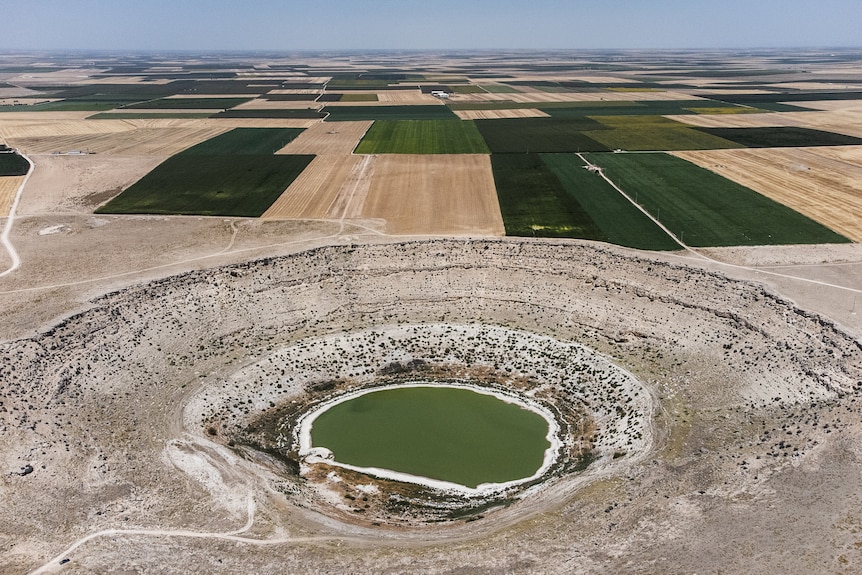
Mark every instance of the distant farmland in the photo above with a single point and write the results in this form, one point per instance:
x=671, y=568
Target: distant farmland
x=655, y=133
x=781, y=137
x=422, y=137
x=234, y=174
x=705, y=209
x=353, y=113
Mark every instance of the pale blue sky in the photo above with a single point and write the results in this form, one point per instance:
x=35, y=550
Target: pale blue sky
x=426, y=24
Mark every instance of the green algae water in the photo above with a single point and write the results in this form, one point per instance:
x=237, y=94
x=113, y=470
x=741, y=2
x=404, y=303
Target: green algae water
x=443, y=433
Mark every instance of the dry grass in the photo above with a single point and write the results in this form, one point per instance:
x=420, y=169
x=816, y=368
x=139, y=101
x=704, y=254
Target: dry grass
x=140, y=142
x=500, y=114
x=8, y=188
x=322, y=189
x=840, y=117
x=439, y=194
x=330, y=139
x=824, y=184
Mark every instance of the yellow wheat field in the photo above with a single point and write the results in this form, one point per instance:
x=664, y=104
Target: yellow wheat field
x=8, y=188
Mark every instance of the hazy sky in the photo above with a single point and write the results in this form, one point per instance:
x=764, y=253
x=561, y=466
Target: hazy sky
x=426, y=24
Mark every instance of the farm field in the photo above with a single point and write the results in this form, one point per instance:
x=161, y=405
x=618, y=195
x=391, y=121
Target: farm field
x=781, y=137
x=434, y=194
x=143, y=141
x=8, y=188
x=536, y=135
x=187, y=104
x=705, y=209
x=388, y=112
x=825, y=184
x=328, y=139
x=534, y=203
x=210, y=185
x=620, y=222
x=246, y=142
x=234, y=173
x=12, y=164
x=422, y=137
x=500, y=114
x=654, y=133
x=328, y=188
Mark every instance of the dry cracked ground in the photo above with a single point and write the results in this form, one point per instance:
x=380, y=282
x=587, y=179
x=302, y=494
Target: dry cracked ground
x=114, y=326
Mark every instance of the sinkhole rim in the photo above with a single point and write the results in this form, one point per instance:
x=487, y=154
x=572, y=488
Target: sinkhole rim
x=311, y=455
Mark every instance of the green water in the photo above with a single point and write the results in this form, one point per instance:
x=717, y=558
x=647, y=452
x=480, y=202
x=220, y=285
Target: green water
x=443, y=433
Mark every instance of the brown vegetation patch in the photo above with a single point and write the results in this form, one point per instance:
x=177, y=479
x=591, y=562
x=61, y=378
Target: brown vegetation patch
x=824, y=184
x=330, y=139
x=442, y=194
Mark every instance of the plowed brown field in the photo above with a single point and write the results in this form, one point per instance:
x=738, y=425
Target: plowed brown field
x=328, y=139
x=825, y=184
x=441, y=194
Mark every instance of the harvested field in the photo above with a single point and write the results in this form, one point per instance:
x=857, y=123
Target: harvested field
x=439, y=194
x=323, y=189
x=8, y=188
x=405, y=98
x=79, y=184
x=135, y=142
x=824, y=184
x=500, y=114
x=328, y=139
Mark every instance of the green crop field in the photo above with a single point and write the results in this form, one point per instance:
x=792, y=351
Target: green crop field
x=210, y=186
x=621, y=222
x=353, y=113
x=524, y=135
x=533, y=201
x=655, y=133
x=359, y=97
x=705, y=209
x=780, y=137
x=422, y=137
x=188, y=104
x=245, y=142
x=11, y=164
x=233, y=174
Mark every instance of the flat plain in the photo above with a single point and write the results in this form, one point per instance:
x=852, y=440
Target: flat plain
x=149, y=361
